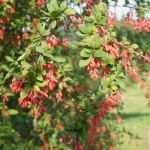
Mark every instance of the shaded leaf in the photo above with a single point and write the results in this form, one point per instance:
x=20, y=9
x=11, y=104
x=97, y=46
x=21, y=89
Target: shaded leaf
x=53, y=24
x=39, y=77
x=134, y=46
x=58, y=58
x=41, y=62
x=114, y=87
x=25, y=64
x=84, y=63
x=40, y=28
x=8, y=58
x=25, y=91
x=12, y=111
x=40, y=84
x=83, y=53
x=83, y=28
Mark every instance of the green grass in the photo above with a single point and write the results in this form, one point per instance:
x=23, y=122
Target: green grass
x=136, y=118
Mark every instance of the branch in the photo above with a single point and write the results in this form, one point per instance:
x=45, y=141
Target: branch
x=119, y=43
x=141, y=55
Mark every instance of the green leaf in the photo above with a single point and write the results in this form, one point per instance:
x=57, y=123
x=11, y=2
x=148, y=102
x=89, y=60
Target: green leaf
x=81, y=105
x=68, y=67
x=98, y=17
x=43, y=72
x=44, y=45
x=105, y=83
x=125, y=41
x=25, y=64
x=34, y=42
x=36, y=87
x=122, y=84
x=63, y=6
x=99, y=7
x=25, y=91
x=69, y=11
x=40, y=28
x=31, y=74
x=39, y=77
x=45, y=13
x=55, y=14
x=98, y=53
x=89, y=19
x=107, y=59
x=88, y=50
x=83, y=53
x=79, y=33
x=93, y=29
x=22, y=57
x=55, y=50
x=98, y=42
x=40, y=84
x=112, y=77
x=40, y=49
x=12, y=111
x=58, y=58
x=87, y=42
x=77, y=1
x=8, y=58
x=40, y=63
x=84, y=63
x=102, y=21
x=113, y=68
x=43, y=48
x=53, y=24
x=52, y=6
x=24, y=72
x=119, y=69
x=45, y=33
x=121, y=75
x=114, y=88
x=134, y=46
x=83, y=28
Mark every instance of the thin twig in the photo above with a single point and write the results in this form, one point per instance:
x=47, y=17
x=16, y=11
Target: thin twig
x=39, y=59
x=4, y=80
x=141, y=55
x=133, y=51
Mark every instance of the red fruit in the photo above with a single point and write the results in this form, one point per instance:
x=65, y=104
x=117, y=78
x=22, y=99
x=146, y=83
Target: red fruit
x=88, y=13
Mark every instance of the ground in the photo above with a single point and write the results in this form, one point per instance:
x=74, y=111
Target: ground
x=136, y=118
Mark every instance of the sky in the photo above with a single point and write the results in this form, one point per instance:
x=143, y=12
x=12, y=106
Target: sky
x=120, y=11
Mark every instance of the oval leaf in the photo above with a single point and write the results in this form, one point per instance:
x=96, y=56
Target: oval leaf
x=13, y=112
x=24, y=92
x=83, y=53
x=84, y=63
x=83, y=28
x=58, y=58
x=69, y=11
